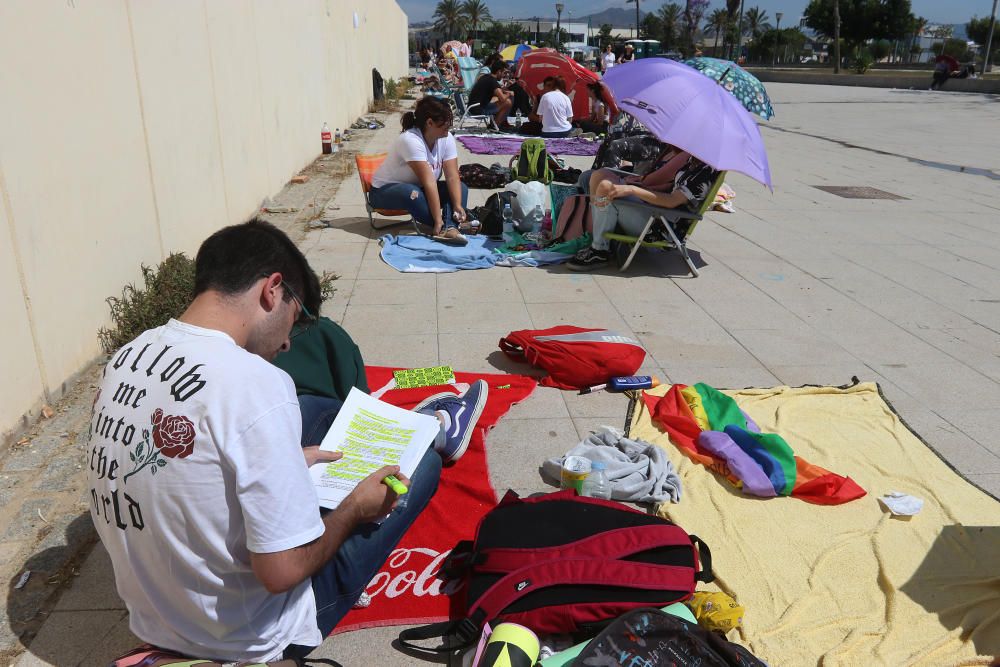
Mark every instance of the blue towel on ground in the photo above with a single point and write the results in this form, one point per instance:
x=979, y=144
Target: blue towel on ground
x=419, y=254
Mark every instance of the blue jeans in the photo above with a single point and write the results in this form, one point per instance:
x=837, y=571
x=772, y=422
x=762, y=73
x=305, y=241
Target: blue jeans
x=410, y=197
x=339, y=584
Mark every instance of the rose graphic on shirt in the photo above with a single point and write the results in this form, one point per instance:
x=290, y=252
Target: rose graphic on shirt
x=172, y=436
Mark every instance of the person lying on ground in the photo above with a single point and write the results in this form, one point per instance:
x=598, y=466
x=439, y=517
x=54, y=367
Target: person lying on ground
x=688, y=188
x=555, y=110
x=409, y=179
x=487, y=89
x=200, y=485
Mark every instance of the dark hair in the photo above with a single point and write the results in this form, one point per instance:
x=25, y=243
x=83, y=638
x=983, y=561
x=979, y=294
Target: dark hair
x=427, y=108
x=498, y=66
x=547, y=80
x=560, y=82
x=492, y=58
x=232, y=259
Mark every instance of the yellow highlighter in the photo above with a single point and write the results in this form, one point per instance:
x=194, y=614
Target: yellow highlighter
x=398, y=487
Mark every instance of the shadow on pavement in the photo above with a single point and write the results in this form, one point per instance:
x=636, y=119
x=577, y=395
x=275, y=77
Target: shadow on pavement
x=51, y=570
x=959, y=583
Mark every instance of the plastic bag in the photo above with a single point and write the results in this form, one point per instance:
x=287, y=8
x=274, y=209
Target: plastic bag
x=529, y=195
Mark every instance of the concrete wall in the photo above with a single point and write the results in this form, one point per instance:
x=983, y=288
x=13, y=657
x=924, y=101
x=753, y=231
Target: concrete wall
x=133, y=128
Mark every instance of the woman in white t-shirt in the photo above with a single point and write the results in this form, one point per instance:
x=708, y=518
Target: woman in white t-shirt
x=409, y=179
x=556, y=110
x=607, y=59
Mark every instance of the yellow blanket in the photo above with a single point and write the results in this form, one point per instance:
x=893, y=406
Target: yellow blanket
x=849, y=584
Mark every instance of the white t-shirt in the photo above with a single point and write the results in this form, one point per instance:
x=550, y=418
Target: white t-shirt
x=410, y=146
x=609, y=60
x=194, y=462
x=556, y=111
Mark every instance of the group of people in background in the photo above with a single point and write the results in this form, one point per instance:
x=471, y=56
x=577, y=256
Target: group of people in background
x=609, y=59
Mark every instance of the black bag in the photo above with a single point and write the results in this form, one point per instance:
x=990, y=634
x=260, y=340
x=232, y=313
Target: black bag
x=490, y=215
x=480, y=176
x=562, y=563
x=653, y=637
x=378, y=86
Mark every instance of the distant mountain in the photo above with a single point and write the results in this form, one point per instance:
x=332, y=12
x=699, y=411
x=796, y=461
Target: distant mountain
x=616, y=16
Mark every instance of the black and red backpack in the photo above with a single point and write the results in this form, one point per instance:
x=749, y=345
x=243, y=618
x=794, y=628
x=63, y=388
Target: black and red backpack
x=561, y=563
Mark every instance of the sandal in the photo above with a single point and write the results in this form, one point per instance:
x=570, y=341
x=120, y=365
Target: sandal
x=451, y=236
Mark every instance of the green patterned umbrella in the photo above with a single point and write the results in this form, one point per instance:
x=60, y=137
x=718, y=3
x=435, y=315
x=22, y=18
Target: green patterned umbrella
x=742, y=84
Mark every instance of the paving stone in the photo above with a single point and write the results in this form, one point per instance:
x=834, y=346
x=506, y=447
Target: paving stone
x=94, y=587
x=87, y=628
x=35, y=454
x=27, y=522
x=62, y=474
x=516, y=449
x=482, y=317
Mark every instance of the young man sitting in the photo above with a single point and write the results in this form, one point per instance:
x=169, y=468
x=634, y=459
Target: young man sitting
x=688, y=187
x=199, y=484
x=486, y=89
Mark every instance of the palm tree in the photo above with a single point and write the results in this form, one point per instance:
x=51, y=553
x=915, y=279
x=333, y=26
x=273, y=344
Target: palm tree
x=755, y=23
x=475, y=12
x=448, y=18
x=917, y=26
x=732, y=9
x=716, y=24
x=670, y=22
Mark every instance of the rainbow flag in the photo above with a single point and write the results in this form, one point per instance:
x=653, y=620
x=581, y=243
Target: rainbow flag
x=709, y=427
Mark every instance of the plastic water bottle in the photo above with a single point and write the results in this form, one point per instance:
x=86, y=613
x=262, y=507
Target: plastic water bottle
x=508, y=223
x=596, y=485
x=517, y=119
x=537, y=215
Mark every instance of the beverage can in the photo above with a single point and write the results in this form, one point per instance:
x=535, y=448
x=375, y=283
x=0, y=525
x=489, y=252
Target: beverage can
x=575, y=471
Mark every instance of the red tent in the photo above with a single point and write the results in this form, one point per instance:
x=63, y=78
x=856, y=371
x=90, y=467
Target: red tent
x=533, y=67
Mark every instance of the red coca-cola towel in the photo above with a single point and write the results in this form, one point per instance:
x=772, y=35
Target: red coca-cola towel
x=406, y=590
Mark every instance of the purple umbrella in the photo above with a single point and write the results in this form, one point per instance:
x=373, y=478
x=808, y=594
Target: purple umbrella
x=684, y=108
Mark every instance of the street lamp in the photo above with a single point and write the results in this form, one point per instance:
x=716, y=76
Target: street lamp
x=559, y=7
x=989, y=39
x=636, y=16
x=777, y=38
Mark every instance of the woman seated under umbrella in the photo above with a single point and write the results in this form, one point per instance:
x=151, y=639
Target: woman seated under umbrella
x=679, y=181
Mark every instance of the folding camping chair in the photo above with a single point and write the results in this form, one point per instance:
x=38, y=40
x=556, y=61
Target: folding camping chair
x=467, y=112
x=367, y=166
x=470, y=69
x=678, y=222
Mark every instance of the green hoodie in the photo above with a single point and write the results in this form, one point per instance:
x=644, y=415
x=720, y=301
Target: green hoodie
x=324, y=361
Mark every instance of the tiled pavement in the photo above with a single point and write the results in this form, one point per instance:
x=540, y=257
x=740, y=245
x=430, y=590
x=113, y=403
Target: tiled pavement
x=799, y=286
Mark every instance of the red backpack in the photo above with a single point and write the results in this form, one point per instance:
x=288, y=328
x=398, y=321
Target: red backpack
x=575, y=357
x=562, y=563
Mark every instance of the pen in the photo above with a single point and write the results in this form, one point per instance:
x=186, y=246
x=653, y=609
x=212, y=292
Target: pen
x=395, y=485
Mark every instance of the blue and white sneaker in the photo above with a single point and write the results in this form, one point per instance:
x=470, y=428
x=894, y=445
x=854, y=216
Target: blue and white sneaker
x=463, y=411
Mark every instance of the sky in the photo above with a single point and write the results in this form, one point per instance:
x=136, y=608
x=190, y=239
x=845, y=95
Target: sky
x=935, y=11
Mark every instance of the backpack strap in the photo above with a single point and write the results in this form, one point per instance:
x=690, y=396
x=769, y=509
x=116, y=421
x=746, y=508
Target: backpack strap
x=455, y=635
x=512, y=347
x=613, y=544
x=580, y=571
x=705, y=575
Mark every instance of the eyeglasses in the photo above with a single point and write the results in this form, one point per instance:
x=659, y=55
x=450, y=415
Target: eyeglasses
x=305, y=319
